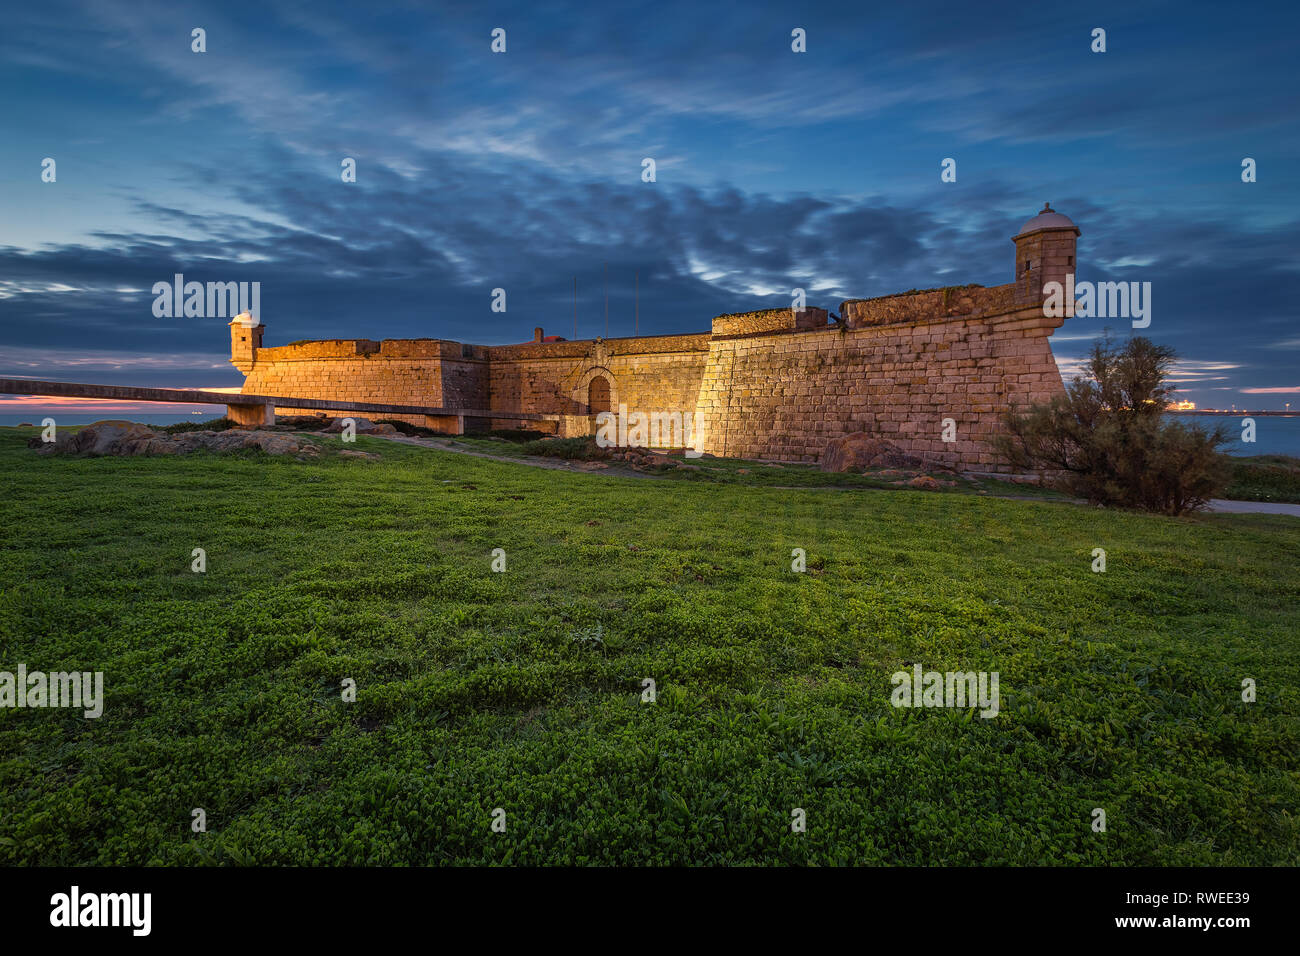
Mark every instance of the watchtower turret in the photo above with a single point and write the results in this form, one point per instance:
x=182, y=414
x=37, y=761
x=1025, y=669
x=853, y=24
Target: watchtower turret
x=1044, y=253
x=245, y=340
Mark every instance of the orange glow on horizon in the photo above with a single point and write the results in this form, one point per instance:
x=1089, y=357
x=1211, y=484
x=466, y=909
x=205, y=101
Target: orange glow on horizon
x=72, y=405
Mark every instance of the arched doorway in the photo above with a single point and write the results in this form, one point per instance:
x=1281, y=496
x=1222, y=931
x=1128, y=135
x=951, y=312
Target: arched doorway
x=598, y=397
x=595, y=391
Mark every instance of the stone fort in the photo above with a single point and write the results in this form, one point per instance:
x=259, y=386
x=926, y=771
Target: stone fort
x=775, y=384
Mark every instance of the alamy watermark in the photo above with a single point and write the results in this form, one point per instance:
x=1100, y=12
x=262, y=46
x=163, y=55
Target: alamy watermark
x=1101, y=300
x=213, y=300
x=647, y=430
x=82, y=689
x=128, y=910
x=960, y=689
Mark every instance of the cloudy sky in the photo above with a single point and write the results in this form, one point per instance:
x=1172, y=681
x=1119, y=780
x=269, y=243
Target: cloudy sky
x=521, y=170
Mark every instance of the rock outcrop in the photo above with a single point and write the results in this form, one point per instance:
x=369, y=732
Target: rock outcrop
x=364, y=427
x=860, y=450
x=132, y=438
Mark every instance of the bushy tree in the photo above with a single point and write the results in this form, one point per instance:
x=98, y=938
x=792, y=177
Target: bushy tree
x=1108, y=439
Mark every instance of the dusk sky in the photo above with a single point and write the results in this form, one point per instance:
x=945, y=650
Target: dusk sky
x=521, y=170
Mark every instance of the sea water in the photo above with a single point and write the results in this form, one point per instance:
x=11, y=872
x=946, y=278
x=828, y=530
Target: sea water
x=1274, y=434
x=87, y=418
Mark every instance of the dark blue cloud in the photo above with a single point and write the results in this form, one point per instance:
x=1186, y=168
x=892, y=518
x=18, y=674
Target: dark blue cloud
x=522, y=171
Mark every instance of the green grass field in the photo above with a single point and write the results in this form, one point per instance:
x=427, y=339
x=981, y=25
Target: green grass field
x=522, y=690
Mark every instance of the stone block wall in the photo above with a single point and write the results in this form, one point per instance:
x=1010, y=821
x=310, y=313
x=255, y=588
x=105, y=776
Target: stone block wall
x=769, y=320
x=965, y=301
x=896, y=366
x=785, y=396
x=396, y=371
x=653, y=373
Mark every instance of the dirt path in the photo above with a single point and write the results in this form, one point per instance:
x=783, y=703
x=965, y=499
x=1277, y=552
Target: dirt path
x=534, y=461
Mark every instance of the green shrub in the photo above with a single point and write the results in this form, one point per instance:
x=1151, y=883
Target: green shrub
x=1265, y=478
x=304, y=423
x=574, y=449
x=1107, y=438
x=411, y=431
x=213, y=425
x=514, y=434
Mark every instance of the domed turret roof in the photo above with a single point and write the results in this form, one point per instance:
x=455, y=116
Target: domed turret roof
x=1049, y=218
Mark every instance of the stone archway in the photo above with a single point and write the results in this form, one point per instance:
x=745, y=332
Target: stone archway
x=595, y=392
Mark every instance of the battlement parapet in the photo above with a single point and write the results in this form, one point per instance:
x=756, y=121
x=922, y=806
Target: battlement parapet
x=927, y=305
x=767, y=321
x=632, y=345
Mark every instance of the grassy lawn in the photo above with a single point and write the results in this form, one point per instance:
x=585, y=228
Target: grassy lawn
x=521, y=690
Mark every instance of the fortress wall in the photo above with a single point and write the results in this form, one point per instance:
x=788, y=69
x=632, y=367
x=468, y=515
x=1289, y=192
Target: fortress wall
x=964, y=301
x=632, y=345
x=537, y=385
x=769, y=320
x=659, y=383
x=403, y=372
x=465, y=384
x=654, y=374
x=770, y=389
x=785, y=396
x=768, y=384
x=899, y=366
x=324, y=349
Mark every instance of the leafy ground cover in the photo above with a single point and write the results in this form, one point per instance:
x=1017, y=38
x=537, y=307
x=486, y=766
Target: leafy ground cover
x=523, y=690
